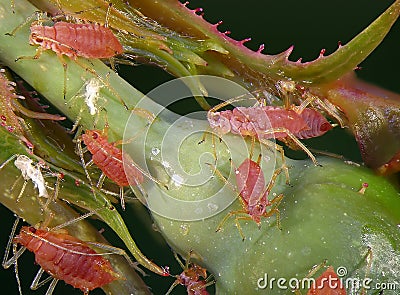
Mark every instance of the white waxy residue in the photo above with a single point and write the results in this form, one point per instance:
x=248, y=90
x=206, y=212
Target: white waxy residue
x=177, y=179
x=92, y=95
x=32, y=172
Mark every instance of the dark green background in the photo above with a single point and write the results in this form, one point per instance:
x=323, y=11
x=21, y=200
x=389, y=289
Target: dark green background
x=310, y=26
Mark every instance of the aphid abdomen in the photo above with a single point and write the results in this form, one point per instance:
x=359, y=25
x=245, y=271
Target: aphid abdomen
x=250, y=181
x=318, y=125
x=67, y=258
x=283, y=118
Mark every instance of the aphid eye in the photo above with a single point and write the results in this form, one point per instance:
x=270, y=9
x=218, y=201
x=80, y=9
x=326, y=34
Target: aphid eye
x=37, y=38
x=32, y=229
x=95, y=135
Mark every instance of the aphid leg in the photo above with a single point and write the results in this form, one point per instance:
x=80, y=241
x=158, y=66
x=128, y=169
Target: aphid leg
x=253, y=141
x=6, y=263
x=311, y=273
x=8, y=161
x=282, y=153
x=54, y=196
x=121, y=197
x=174, y=284
x=294, y=139
x=81, y=152
x=39, y=52
x=275, y=211
x=37, y=283
x=65, y=66
x=234, y=213
x=101, y=180
x=368, y=259
x=327, y=106
x=332, y=111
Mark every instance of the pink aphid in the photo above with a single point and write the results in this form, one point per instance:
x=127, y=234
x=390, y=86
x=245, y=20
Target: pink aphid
x=108, y=157
x=251, y=185
x=191, y=278
x=194, y=278
x=253, y=195
x=67, y=258
x=73, y=40
x=265, y=122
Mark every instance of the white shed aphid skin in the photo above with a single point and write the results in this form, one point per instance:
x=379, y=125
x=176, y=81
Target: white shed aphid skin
x=32, y=172
x=91, y=95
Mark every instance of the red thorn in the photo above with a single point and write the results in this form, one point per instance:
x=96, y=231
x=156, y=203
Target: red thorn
x=358, y=68
x=186, y=3
x=245, y=40
x=300, y=60
x=339, y=44
x=261, y=48
x=198, y=10
x=287, y=52
x=322, y=52
x=226, y=32
x=218, y=23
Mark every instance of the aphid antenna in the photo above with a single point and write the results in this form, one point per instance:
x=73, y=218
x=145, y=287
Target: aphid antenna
x=245, y=96
x=28, y=20
x=77, y=219
x=223, y=178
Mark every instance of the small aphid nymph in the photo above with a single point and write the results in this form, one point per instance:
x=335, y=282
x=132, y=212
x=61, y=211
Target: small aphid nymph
x=253, y=195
